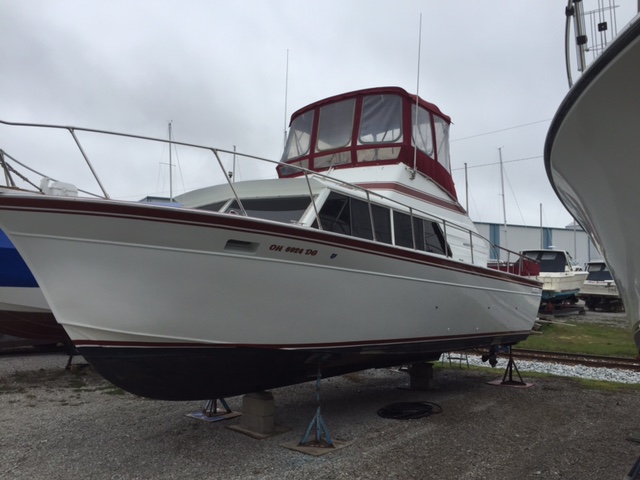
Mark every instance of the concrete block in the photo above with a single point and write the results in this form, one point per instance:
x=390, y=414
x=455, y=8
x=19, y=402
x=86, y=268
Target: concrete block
x=261, y=404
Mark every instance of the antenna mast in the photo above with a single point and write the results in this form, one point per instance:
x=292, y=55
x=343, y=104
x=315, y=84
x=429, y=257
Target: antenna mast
x=415, y=120
x=286, y=91
x=170, y=166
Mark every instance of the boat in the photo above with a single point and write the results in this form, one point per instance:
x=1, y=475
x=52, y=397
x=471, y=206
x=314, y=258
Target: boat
x=357, y=256
x=24, y=311
x=560, y=275
x=590, y=157
x=599, y=290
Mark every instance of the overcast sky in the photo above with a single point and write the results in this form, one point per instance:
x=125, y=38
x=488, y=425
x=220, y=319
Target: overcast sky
x=217, y=70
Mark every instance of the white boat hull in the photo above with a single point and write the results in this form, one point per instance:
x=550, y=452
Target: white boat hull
x=561, y=285
x=592, y=159
x=226, y=304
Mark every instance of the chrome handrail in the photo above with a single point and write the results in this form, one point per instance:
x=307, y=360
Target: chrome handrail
x=446, y=225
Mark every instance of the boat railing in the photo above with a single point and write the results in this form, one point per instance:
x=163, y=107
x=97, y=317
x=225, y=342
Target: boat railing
x=448, y=227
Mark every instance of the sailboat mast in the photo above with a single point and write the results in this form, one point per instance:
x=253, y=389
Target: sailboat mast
x=504, y=207
x=541, y=230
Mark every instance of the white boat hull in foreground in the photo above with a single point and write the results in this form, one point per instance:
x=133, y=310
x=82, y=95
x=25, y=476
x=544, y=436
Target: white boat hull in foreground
x=195, y=305
x=592, y=157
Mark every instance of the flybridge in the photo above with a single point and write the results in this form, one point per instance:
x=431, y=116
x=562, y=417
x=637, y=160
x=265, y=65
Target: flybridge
x=375, y=126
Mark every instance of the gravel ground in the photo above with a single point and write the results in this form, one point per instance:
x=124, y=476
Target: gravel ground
x=59, y=424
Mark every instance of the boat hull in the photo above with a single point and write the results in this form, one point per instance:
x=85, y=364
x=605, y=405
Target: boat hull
x=561, y=286
x=25, y=321
x=24, y=312
x=603, y=295
x=191, y=305
x=591, y=158
x=203, y=372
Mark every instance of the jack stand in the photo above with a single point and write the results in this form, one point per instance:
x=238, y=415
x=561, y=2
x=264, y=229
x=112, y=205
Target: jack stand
x=210, y=412
x=68, y=366
x=320, y=427
x=72, y=351
x=318, y=446
x=634, y=473
x=511, y=365
x=211, y=407
x=509, y=370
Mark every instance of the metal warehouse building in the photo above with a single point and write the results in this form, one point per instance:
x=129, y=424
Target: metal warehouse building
x=571, y=238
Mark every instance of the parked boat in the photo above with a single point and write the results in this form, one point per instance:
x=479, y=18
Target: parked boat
x=599, y=290
x=561, y=277
x=591, y=158
x=357, y=256
x=24, y=312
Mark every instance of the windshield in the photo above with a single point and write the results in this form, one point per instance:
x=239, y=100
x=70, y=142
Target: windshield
x=281, y=209
x=598, y=272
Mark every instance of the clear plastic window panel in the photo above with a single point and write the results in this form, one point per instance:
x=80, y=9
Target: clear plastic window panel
x=381, y=119
x=335, y=125
x=442, y=142
x=213, y=207
x=421, y=131
x=299, y=138
x=332, y=159
x=283, y=209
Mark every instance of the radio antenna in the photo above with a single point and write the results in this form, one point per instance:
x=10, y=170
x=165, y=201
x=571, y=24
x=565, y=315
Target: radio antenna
x=286, y=90
x=415, y=120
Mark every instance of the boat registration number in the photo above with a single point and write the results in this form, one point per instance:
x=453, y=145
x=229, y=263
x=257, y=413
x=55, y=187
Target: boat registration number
x=297, y=250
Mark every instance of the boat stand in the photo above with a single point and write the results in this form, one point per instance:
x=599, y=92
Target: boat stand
x=511, y=365
x=211, y=407
x=322, y=442
x=634, y=473
x=73, y=352
x=317, y=423
x=210, y=412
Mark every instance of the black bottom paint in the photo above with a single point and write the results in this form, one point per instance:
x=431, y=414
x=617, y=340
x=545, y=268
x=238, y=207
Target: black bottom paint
x=200, y=373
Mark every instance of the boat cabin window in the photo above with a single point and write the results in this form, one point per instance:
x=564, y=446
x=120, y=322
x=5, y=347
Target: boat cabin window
x=549, y=261
x=427, y=234
x=281, y=209
x=213, y=207
x=335, y=125
x=381, y=119
x=299, y=138
x=422, y=134
x=598, y=272
x=350, y=216
x=442, y=142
